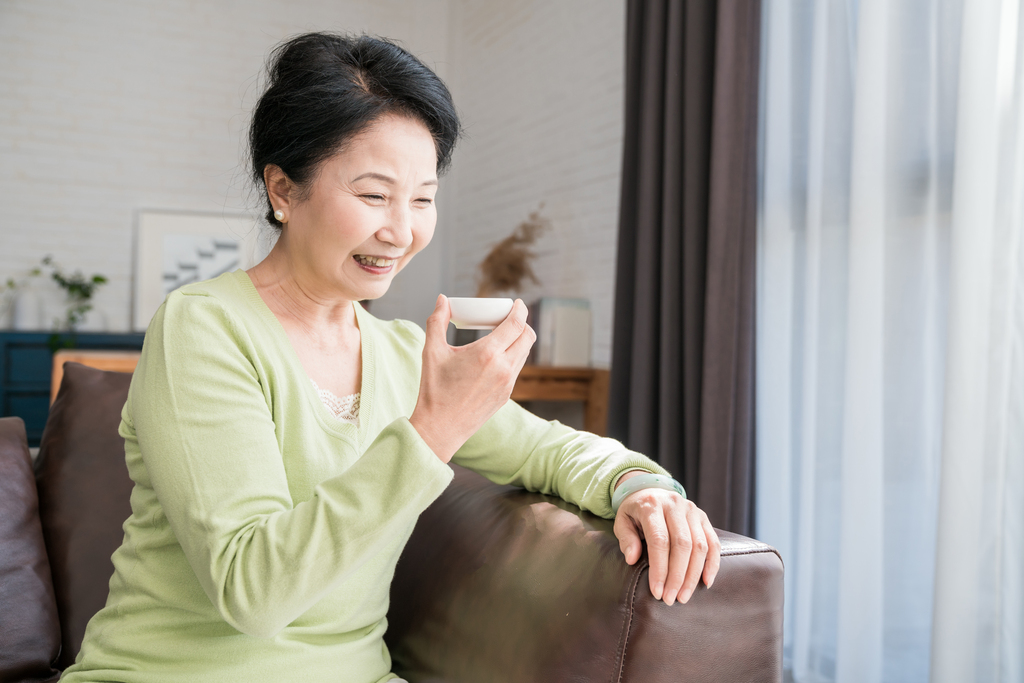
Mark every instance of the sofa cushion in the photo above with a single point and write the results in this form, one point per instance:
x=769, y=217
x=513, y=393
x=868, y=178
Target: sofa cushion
x=29, y=629
x=84, y=494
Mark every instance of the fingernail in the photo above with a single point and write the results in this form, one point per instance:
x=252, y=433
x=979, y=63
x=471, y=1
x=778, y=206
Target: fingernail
x=669, y=600
x=686, y=596
x=659, y=589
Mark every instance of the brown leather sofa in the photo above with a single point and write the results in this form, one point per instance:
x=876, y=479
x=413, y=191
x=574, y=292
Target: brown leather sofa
x=496, y=584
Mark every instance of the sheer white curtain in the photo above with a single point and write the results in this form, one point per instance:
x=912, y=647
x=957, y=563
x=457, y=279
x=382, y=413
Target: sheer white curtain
x=891, y=336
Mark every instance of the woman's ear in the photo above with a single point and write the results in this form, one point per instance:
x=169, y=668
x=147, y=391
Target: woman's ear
x=280, y=188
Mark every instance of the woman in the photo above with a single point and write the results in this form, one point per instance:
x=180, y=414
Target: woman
x=268, y=513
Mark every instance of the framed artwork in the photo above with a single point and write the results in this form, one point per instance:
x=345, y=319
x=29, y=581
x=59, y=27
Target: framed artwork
x=175, y=248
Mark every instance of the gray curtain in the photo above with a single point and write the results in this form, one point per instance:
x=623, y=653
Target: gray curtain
x=682, y=382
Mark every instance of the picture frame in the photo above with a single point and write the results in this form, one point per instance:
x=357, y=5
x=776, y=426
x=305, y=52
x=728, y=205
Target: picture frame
x=174, y=248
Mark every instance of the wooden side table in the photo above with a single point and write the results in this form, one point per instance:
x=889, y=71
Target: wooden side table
x=590, y=385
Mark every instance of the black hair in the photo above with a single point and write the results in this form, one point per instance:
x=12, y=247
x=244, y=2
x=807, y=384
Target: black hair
x=325, y=88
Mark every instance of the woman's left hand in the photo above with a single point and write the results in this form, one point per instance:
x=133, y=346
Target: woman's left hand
x=681, y=544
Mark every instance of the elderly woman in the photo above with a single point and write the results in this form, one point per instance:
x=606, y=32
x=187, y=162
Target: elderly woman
x=283, y=441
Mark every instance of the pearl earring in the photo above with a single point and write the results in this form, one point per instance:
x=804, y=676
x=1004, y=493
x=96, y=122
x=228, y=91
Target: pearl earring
x=279, y=215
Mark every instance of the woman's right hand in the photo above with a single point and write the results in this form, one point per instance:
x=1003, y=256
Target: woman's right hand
x=461, y=387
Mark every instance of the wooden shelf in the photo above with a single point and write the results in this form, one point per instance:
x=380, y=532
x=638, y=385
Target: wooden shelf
x=589, y=385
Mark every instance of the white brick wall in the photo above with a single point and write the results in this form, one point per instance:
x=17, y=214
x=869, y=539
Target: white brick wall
x=540, y=87
x=110, y=106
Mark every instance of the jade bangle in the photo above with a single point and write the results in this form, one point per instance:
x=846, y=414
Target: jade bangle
x=644, y=481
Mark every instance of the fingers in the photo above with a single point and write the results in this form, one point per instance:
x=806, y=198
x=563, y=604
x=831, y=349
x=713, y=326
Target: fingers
x=512, y=327
x=683, y=543
x=629, y=539
x=714, y=560
x=698, y=552
x=437, y=323
x=658, y=546
x=509, y=345
x=520, y=348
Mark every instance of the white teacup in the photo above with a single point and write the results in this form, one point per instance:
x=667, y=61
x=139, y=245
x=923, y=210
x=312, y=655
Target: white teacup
x=469, y=313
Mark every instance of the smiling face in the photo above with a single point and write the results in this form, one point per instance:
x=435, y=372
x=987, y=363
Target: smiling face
x=367, y=212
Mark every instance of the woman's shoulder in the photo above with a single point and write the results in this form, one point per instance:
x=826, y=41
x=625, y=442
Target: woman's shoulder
x=200, y=330
x=227, y=289
x=225, y=296
x=215, y=308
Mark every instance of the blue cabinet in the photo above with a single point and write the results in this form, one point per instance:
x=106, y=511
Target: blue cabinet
x=26, y=361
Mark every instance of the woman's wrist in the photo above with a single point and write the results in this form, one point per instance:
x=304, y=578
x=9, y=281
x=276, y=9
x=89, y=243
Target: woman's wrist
x=437, y=439
x=645, y=480
x=433, y=442
x=628, y=474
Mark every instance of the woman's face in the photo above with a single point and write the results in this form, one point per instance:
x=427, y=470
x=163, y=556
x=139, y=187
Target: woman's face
x=368, y=211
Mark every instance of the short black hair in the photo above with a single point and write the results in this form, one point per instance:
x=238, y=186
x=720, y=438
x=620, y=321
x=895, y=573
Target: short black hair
x=325, y=88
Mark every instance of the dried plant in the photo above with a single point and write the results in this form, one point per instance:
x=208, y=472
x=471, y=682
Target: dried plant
x=505, y=269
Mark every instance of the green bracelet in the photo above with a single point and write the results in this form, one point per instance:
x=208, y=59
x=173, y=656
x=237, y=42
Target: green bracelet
x=644, y=481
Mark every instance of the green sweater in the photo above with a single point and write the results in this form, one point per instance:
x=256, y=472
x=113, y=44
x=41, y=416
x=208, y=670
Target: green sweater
x=264, y=532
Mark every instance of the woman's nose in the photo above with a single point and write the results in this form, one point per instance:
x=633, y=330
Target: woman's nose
x=398, y=230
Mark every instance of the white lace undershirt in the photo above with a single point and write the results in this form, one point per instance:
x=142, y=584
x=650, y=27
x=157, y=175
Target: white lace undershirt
x=345, y=408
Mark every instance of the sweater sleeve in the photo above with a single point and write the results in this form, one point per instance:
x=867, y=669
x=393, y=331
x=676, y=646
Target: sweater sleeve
x=517, y=447
x=208, y=442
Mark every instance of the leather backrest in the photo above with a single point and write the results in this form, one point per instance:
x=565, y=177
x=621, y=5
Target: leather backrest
x=84, y=494
x=498, y=584
x=29, y=629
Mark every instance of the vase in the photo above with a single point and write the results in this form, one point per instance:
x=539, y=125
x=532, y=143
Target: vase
x=28, y=310
x=6, y=311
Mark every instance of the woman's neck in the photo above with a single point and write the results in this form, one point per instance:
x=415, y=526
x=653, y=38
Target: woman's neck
x=322, y=327
x=298, y=298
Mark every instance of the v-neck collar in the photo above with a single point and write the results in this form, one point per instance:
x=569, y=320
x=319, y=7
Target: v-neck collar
x=327, y=421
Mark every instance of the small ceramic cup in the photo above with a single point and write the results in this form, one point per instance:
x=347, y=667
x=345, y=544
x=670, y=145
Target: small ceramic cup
x=469, y=313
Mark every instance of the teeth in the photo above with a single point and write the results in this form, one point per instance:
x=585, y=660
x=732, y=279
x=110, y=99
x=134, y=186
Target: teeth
x=378, y=262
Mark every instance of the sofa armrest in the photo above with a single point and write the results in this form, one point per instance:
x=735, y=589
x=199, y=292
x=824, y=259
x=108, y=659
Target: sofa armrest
x=29, y=627
x=500, y=584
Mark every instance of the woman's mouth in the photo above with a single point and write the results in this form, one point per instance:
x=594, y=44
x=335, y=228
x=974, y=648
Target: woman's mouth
x=377, y=265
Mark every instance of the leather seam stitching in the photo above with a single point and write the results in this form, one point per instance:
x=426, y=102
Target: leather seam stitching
x=627, y=624
x=753, y=551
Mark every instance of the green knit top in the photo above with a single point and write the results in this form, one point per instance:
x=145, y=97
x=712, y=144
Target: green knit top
x=265, y=532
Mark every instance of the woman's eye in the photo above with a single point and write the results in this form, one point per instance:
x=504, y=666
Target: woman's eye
x=376, y=197
x=425, y=200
